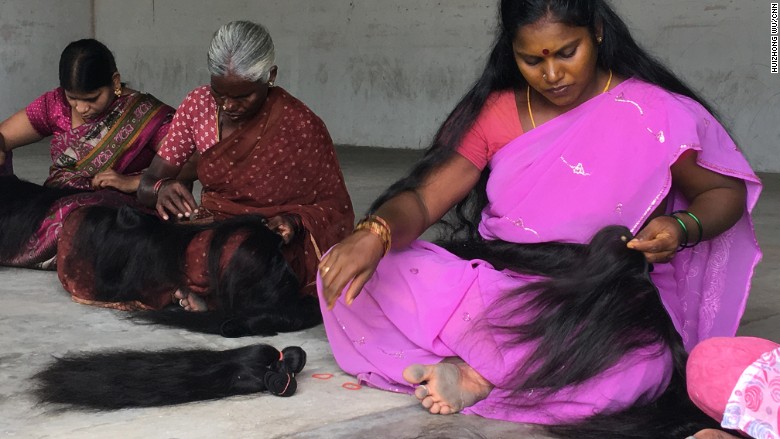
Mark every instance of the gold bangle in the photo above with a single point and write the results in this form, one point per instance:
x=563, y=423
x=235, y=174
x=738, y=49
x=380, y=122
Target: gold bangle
x=379, y=227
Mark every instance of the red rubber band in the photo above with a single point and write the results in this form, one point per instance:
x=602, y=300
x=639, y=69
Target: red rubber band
x=289, y=378
x=352, y=386
x=322, y=376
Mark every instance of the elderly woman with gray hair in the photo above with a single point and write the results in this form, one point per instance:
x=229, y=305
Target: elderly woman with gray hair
x=261, y=152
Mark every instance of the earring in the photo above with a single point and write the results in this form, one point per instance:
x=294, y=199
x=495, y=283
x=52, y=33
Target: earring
x=599, y=39
x=118, y=91
x=270, y=83
x=544, y=75
x=224, y=107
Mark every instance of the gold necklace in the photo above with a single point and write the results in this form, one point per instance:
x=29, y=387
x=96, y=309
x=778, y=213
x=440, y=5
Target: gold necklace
x=528, y=97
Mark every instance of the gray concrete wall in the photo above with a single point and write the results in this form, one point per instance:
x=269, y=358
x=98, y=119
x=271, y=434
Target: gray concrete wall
x=32, y=36
x=385, y=73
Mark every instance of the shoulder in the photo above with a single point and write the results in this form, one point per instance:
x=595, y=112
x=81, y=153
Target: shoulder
x=498, y=103
x=498, y=118
x=677, y=119
x=200, y=94
x=153, y=101
x=660, y=99
x=197, y=100
x=54, y=97
x=50, y=112
x=294, y=107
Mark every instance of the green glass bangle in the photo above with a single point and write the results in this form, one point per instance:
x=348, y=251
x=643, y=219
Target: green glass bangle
x=683, y=244
x=698, y=223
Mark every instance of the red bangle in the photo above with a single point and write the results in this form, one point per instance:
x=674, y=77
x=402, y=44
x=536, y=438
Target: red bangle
x=159, y=184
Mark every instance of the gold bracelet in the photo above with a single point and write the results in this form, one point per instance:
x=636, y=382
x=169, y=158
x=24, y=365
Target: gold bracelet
x=379, y=227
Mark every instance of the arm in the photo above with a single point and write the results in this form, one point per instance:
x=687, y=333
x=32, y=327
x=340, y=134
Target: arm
x=718, y=201
x=158, y=186
x=16, y=131
x=110, y=178
x=408, y=214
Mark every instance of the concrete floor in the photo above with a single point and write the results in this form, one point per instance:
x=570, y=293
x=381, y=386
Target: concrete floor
x=38, y=320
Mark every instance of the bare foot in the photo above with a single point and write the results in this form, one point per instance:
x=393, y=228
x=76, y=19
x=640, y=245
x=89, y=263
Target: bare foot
x=190, y=302
x=713, y=434
x=447, y=387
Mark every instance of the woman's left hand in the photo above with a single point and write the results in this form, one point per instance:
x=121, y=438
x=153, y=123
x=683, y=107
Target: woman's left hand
x=658, y=240
x=112, y=179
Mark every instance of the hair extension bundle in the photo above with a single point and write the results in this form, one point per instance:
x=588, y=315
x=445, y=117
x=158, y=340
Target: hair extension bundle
x=596, y=305
x=23, y=205
x=120, y=379
x=133, y=255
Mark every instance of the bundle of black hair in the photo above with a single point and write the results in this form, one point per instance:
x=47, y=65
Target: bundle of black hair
x=121, y=379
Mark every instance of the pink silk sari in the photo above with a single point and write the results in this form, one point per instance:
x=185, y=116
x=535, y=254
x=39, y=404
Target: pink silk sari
x=605, y=162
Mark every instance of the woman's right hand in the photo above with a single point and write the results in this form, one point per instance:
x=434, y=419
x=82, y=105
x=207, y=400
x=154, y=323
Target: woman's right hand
x=351, y=262
x=174, y=199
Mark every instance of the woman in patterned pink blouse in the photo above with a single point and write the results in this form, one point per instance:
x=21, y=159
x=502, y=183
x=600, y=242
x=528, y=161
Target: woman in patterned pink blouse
x=103, y=135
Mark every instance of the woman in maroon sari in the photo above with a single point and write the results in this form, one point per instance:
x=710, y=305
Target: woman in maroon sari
x=262, y=152
x=103, y=135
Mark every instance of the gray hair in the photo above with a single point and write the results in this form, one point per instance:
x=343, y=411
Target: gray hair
x=242, y=48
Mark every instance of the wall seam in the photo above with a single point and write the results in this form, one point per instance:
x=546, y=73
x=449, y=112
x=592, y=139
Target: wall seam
x=93, y=18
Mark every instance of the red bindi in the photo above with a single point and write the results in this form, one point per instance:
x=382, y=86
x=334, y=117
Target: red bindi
x=545, y=52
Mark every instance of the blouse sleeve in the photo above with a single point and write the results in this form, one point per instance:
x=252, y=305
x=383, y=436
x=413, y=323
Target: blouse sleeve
x=474, y=146
x=179, y=144
x=46, y=113
x=497, y=124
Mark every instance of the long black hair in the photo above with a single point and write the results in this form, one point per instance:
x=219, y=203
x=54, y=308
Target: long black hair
x=131, y=255
x=595, y=306
x=120, y=379
x=86, y=65
x=618, y=52
x=23, y=205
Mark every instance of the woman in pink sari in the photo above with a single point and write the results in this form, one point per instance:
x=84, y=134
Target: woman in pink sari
x=103, y=135
x=572, y=127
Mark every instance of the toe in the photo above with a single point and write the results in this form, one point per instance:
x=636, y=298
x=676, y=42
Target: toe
x=421, y=392
x=428, y=402
x=417, y=373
